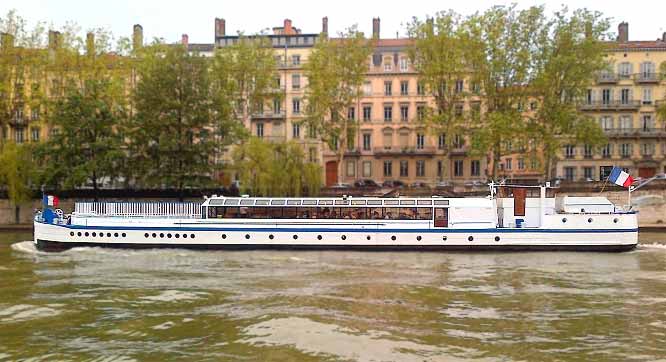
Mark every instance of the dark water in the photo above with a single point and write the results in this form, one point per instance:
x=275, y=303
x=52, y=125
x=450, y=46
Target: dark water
x=105, y=305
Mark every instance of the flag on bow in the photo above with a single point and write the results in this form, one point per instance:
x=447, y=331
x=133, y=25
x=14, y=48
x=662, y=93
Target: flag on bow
x=50, y=200
x=620, y=178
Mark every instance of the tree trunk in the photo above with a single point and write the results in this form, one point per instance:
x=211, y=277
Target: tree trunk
x=95, y=188
x=17, y=214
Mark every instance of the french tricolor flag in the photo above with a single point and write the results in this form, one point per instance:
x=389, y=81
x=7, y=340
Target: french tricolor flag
x=620, y=178
x=50, y=200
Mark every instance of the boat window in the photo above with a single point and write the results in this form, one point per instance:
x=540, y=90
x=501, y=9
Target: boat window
x=441, y=217
x=215, y=202
x=358, y=202
x=342, y=202
x=325, y=213
x=407, y=202
x=390, y=202
x=231, y=212
x=290, y=213
x=325, y=202
x=391, y=213
x=375, y=202
x=261, y=202
x=247, y=202
x=309, y=202
x=424, y=202
x=275, y=212
x=231, y=202
x=259, y=213
x=441, y=202
x=307, y=213
x=407, y=213
x=293, y=202
x=375, y=213
x=277, y=202
x=423, y=213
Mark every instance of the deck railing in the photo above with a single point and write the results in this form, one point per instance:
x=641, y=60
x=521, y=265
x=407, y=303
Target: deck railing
x=189, y=210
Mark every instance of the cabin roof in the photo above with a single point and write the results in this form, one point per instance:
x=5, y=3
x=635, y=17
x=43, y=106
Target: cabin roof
x=346, y=202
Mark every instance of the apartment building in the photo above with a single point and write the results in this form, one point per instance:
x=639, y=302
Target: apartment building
x=624, y=100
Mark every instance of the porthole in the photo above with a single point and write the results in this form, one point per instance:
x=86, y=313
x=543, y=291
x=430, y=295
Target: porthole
x=115, y=234
x=184, y=236
x=71, y=233
x=154, y=235
x=589, y=220
x=564, y=219
x=94, y=234
x=146, y=235
x=177, y=236
x=344, y=237
x=393, y=237
x=271, y=236
x=168, y=235
x=124, y=235
x=444, y=238
x=418, y=238
x=191, y=236
x=86, y=234
x=247, y=236
x=78, y=234
x=108, y=235
x=471, y=238
x=319, y=237
x=101, y=235
x=224, y=236
x=368, y=237
x=497, y=238
x=295, y=237
x=615, y=220
x=161, y=235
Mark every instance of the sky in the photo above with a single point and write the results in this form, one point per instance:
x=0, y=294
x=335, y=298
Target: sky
x=169, y=19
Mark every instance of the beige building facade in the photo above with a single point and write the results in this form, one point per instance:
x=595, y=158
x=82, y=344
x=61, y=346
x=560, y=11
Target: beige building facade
x=624, y=100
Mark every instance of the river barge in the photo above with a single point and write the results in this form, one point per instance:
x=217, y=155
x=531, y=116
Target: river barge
x=510, y=218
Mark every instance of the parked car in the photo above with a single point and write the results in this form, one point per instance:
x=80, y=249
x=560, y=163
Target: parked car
x=393, y=183
x=444, y=184
x=418, y=184
x=366, y=183
x=341, y=186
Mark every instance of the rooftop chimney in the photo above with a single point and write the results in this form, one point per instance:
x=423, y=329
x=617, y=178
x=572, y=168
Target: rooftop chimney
x=623, y=32
x=137, y=37
x=663, y=37
x=220, y=28
x=375, y=28
x=90, y=44
x=324, y=25
x=288, y=30
x=184, y=39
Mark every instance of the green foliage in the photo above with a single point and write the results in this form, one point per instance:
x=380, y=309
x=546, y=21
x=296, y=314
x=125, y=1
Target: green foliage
x=335, y=71
x=86, y=147
x=16, y=171
x=275, y=169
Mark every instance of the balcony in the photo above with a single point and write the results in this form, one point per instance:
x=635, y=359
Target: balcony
x=647, y=77
x=635, y=132
x=404, y=151
x=607, y=78
x=615, y=105
x=458, y=150
x=269, y=115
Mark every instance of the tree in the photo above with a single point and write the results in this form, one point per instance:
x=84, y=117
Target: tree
x=16, y=172
x=440, y=55
x=275, y=169
x=335, y=71
x=87, y=146
x=174, y=133
x=504, y=60
x=572, y=56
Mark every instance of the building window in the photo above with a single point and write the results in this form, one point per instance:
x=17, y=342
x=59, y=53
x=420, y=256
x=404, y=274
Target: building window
x=475, y=168
x=569, y=173
x=277, y=106
x=260, y=130
x=388, y=169
x=606, y=122
x=404, y=87
x=388, y=113
x=296, y=130
x=420, y=112
x=626, y=122
x=388, y=85
x=367, y=168
x=647, y=95
x=404, y=64
x=569, y=151
x=590, y=96
x=404, y=168
x=296, y=106
x=533, y=106
x=625, y=96
x=458, y=141
x=587, y=151
x=604, y=172
x=647, y=123
x=420, y=88
x=351, y=113
x=313, y=154
x=351, y=168
x=367, y=113
x=647, y=70
x=441, y=141
x=521, y=163
x=458, y=168
x=606, y=96
x=647, y=149
x=607, y=151
x=312, y=131
x=588, y=173
x=440, y=168
x=388, y=64
x=35, y=114
x=626, y=150
x=508, y=163
x=19, y=135
x=367, y=88
x=458, y=109
x=34, y=134
x=459, y=86
x=420, y=141
x=420, y=168
x=367, y=142
x=295, y=81
x=404, y=113
x=388, y=139
x=624, y=70
x=476, y=87
x=296, y=59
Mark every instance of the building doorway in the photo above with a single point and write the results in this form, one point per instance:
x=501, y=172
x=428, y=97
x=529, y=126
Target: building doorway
x=646, y=172
x=331, y=173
